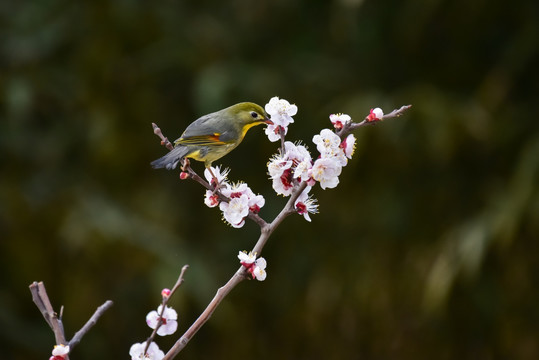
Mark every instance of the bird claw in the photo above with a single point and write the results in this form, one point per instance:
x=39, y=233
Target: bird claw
x=185, y=164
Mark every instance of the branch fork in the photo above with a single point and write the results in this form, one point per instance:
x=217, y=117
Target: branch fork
x=42, y=301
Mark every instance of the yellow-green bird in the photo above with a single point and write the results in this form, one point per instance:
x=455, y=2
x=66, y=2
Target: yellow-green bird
x=212, y=136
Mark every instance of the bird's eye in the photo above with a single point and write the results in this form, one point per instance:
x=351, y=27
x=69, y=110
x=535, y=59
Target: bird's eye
x=254, y=115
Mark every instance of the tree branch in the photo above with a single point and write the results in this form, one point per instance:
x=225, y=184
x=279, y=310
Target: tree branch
x=351, y=126
x=265, y=232
x=164, y=304
x=42, y=301
x=89, y=324
x=206, y=314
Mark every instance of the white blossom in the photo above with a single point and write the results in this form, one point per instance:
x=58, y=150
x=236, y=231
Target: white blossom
x=285, y=168
x=339, y=120
x=273, y=132
x=326, y=171
x=60, y=350
x=246, y=258
x=154, y=353
x=329, y=145
x=259, y=271
x=281, y=112
x=235, y=210
x=169, y=319
x=305, y=204
x=349, y=145
x=211, y=199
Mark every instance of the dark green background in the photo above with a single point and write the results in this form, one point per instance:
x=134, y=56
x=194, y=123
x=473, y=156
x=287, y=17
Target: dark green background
x=428, y=249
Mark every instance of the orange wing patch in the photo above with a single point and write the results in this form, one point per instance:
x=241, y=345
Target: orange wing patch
x=202, y=140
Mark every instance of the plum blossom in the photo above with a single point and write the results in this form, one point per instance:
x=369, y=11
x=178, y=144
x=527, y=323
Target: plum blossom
x=221, y=176
x=211, y=199
x=339, y=120
x=281, y=112
x=329, y=145
x=246, y=258
x=169, y=320
x=59, y=352
x=259, y=271
x=154, y=353
x=290, y=169
x=242, y=200
x=326, y=171
x=235, y=211
x=305, y=204
x=256, y=202
x=273, y=132
x=280, y=171
x=375, y=114
x=256, y=267
x=349, y=145
x=277, y=164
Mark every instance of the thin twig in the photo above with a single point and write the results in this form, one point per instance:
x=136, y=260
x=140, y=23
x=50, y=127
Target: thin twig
x=281, y=133
x=41, y=299
x=180, y=280
x=89, y=324
x=206, y=314
x=351, y=126
x=163, y=305
x=164, y=140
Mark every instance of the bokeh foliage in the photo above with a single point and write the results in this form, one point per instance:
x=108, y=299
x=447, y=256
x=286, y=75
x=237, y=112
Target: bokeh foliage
x=427, y=249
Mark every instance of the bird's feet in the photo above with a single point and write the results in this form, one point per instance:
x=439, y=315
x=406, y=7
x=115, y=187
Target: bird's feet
x=185, y=165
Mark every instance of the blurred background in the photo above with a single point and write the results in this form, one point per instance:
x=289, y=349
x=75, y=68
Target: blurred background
x=428, y=248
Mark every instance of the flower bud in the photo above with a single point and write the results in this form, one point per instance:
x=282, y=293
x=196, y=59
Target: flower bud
x=165, y=293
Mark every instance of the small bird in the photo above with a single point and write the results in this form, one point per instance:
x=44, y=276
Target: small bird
x=212, y=136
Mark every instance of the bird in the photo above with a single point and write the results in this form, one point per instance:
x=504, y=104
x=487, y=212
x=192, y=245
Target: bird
x=214, y=135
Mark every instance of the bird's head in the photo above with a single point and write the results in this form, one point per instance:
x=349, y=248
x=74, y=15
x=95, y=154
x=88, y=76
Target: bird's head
x=249, y=114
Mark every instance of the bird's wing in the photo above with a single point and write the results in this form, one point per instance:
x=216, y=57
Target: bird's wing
x=205, y=131
x=202, y=140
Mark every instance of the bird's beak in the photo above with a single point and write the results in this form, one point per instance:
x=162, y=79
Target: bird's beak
x=268, y=121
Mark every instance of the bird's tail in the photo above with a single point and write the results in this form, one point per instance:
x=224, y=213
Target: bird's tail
x=170, y=160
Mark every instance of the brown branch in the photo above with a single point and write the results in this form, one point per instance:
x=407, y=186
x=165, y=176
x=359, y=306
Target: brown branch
x=42, y=301
x=397, y=112
x=90, y=323
x=265, y=232
x=163, y=305
x=164, y=140
x=351, y=126
x=206, y=314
